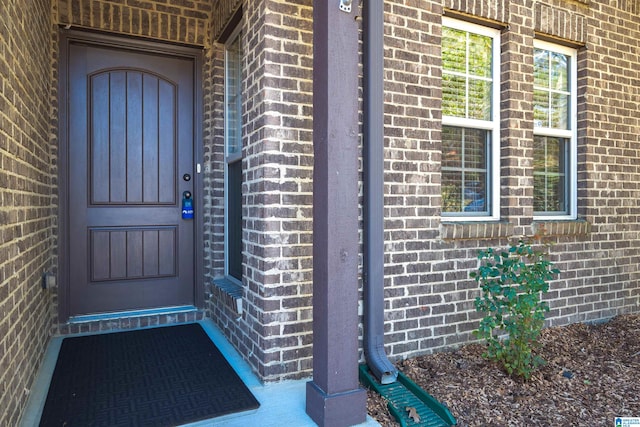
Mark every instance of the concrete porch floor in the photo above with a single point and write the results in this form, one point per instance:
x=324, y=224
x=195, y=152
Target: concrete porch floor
x=281, y=404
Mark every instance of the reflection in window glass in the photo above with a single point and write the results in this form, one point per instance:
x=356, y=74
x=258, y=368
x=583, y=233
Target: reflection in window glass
x=558, y=69
x=479, y=55
x=453, y=94
x=479, y=100
x=454, y=41
x=559, y=111
x=541, y=70
x=540, y=107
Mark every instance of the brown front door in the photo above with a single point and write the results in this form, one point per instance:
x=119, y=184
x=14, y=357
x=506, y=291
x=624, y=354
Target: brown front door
x=130, y=127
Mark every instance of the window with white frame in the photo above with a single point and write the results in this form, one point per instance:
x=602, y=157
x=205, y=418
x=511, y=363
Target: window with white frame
x=555, y=153
x=470, y=121
x=233, y=157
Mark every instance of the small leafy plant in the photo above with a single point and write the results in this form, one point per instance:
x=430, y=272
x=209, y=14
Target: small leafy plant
x=512, y=283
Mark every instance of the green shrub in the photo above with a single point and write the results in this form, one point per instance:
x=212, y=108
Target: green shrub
x=512, y=283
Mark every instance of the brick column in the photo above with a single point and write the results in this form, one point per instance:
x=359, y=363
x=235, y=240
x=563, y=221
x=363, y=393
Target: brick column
x=333, y=396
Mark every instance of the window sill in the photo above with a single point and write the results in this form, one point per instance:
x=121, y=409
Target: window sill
x=576, y=227
x=500, y=229
x=229, y=292
x=475, y=230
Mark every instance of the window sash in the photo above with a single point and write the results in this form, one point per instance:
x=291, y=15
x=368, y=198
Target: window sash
x=468, y=72
x=552, y=88
x=465, y=173
x=551, y=163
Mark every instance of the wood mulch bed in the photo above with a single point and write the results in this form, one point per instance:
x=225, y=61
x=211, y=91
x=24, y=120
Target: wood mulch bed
x=591, y=376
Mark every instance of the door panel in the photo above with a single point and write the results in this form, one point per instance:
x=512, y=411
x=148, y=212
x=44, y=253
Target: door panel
x=133, y=149
x=132, y=253
x=131, y=138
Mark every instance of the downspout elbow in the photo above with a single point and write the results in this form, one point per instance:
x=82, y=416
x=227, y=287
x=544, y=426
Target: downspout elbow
x=379, y=364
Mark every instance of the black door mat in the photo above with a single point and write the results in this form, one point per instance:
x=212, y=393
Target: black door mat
x=163, y=376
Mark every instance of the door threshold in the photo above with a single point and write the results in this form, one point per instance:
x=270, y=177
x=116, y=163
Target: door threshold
x=132, y=313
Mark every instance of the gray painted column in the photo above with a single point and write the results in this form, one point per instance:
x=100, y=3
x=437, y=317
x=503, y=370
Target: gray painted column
x=334, y=397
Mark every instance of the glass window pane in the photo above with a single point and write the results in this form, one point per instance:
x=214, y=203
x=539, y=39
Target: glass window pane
x=453, y=95
x=475, y=192
x=479, y=99
x=549, y=175
x=541, y=68
x=559, y=71
x=234, y=219
x=559, y=111
x=541, y=108
x=475, y=149
x=233, y=97
x=552, y=156
x=464, y=171
x=555, y=194
x=451, y=191
x=539, y=195
x=539, y=147
x=480, y=55
x=451, y=147
x=454, y=50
